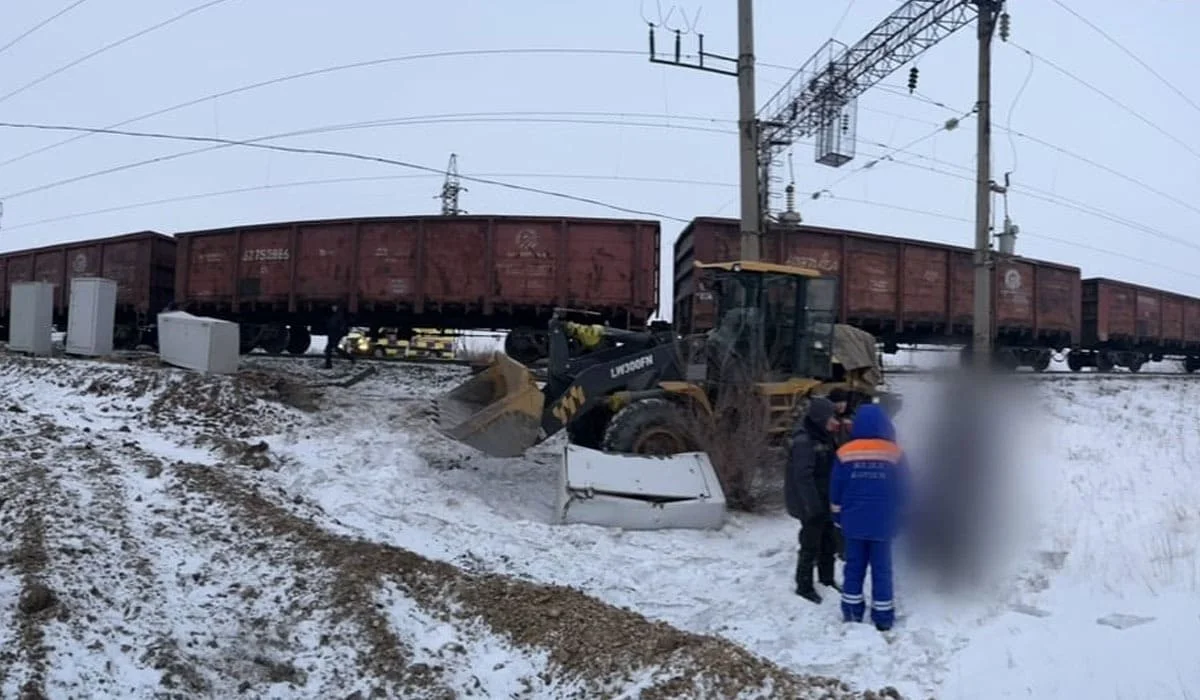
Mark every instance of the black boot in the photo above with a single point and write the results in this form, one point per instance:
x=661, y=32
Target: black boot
x=804, y=578
x=825, y=571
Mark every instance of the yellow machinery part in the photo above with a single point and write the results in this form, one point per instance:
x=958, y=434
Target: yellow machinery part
x=588, y=335
x=498, y=411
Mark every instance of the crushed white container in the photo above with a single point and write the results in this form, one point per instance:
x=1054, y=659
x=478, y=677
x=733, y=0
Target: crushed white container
x=199, y=343
x=637, y=492
x=91, y=316
x=31, y=320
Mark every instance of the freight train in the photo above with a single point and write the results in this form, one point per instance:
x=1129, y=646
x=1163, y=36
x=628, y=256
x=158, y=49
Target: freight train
x=279, y=282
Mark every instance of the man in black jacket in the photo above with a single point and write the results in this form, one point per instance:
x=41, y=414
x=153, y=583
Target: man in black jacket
x=806, y=487
x=336, y=328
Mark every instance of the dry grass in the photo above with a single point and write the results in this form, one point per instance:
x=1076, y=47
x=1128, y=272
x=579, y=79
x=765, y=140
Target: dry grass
x=736, y=436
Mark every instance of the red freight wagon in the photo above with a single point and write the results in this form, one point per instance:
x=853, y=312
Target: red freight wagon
x=142, y=264
x=1126, y=324
x=482, y=272
x=903, y=291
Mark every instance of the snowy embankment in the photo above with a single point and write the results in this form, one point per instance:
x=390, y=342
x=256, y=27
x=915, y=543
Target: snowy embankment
x=1107, y=461
x=158, y=546
x=282, y=536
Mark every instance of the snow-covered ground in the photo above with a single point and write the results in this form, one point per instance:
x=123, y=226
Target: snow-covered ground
x=290, y=538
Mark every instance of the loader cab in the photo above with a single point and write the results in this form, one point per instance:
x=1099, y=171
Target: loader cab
x=774, y=321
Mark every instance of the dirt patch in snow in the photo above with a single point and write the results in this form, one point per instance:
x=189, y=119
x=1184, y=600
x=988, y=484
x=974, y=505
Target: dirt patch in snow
x=592, y=645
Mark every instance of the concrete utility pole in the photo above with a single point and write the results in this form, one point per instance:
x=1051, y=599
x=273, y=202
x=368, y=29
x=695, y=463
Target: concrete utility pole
x=982, y=345
x=748, y=133
x=748, y=126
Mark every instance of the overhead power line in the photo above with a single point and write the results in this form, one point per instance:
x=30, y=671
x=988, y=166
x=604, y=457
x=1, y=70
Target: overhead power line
x=107, y=47
x=1032, y=192
x=949, y=125
x=1130, y=54
x=1052, y=146
x=1048, y=197
x=41, y=24
x=349, y=126
x=1074, y=244
x=359, y=179
x=379, y=123
x=326, y=71
x=336, y=154
x=1124, y=107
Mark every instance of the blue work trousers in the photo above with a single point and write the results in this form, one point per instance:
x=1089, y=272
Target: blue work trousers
x=859, y=555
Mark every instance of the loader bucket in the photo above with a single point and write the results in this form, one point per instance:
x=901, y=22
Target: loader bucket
x=498, y=411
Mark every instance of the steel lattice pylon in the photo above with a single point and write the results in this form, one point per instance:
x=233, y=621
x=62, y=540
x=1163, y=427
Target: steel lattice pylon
x=820, y=99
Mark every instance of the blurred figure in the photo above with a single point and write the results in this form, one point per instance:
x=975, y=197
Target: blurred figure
x=868, y=490
x=957, y=502
x=806, y=490
x=336, y=328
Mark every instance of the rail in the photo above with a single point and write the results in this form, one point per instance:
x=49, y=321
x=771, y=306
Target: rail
x=1048, y=376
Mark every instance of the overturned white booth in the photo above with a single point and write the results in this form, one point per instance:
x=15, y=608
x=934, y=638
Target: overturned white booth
x=199, y=343
x=636, y=492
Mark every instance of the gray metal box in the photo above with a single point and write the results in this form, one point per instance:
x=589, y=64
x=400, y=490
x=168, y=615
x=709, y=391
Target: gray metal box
x=91, y=316
x=199, y=343
x=32, y=317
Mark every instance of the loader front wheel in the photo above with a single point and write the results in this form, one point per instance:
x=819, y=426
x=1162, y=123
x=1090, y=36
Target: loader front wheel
x=649, y=427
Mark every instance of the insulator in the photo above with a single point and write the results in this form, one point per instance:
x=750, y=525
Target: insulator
x=912, y=79
x=1004, y=26
x=845, y=122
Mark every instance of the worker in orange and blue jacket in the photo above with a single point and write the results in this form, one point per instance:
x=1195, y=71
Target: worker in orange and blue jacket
x=868, y=489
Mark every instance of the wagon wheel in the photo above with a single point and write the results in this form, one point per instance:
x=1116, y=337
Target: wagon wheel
x=275, y=343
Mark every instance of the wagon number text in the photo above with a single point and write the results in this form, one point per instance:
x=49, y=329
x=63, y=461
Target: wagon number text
x=265, y=255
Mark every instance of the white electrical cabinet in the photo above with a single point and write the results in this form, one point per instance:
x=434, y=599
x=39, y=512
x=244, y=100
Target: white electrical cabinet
x=91, y=315
x=639, y=492
x=31, y=307
x=198, y=343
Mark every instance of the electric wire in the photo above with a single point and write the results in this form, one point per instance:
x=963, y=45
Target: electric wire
x=1054, y=199
x=841, y=20
x=1066, y=152
x=349, y=155
x=1124, y=107
x=41, y=24
x=572, y=176
x=1012, y=108
x=900, y=149
x=421, y=119
x=1130, y=54
x=1074, y=244
x=326, y=70
x=107, y=47
x=360, y=179
x=891, y=151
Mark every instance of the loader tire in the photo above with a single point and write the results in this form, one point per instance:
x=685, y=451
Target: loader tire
x=649, y=427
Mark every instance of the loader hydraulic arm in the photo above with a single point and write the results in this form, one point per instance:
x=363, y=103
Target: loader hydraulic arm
x=598, y=378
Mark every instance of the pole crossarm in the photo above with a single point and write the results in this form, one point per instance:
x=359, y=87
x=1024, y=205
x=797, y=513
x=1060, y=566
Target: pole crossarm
x=820, y=89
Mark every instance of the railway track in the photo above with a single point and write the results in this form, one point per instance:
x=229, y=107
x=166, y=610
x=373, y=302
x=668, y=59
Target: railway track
x=1050, y=376
x=362, y=358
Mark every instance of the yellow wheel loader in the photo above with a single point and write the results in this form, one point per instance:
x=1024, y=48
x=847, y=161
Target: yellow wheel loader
x=653, y=392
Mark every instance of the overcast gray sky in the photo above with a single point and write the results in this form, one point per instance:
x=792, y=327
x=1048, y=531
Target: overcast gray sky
x=239, y=42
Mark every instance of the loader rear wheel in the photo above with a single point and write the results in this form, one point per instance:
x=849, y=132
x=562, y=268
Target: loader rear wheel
x=649, y=427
